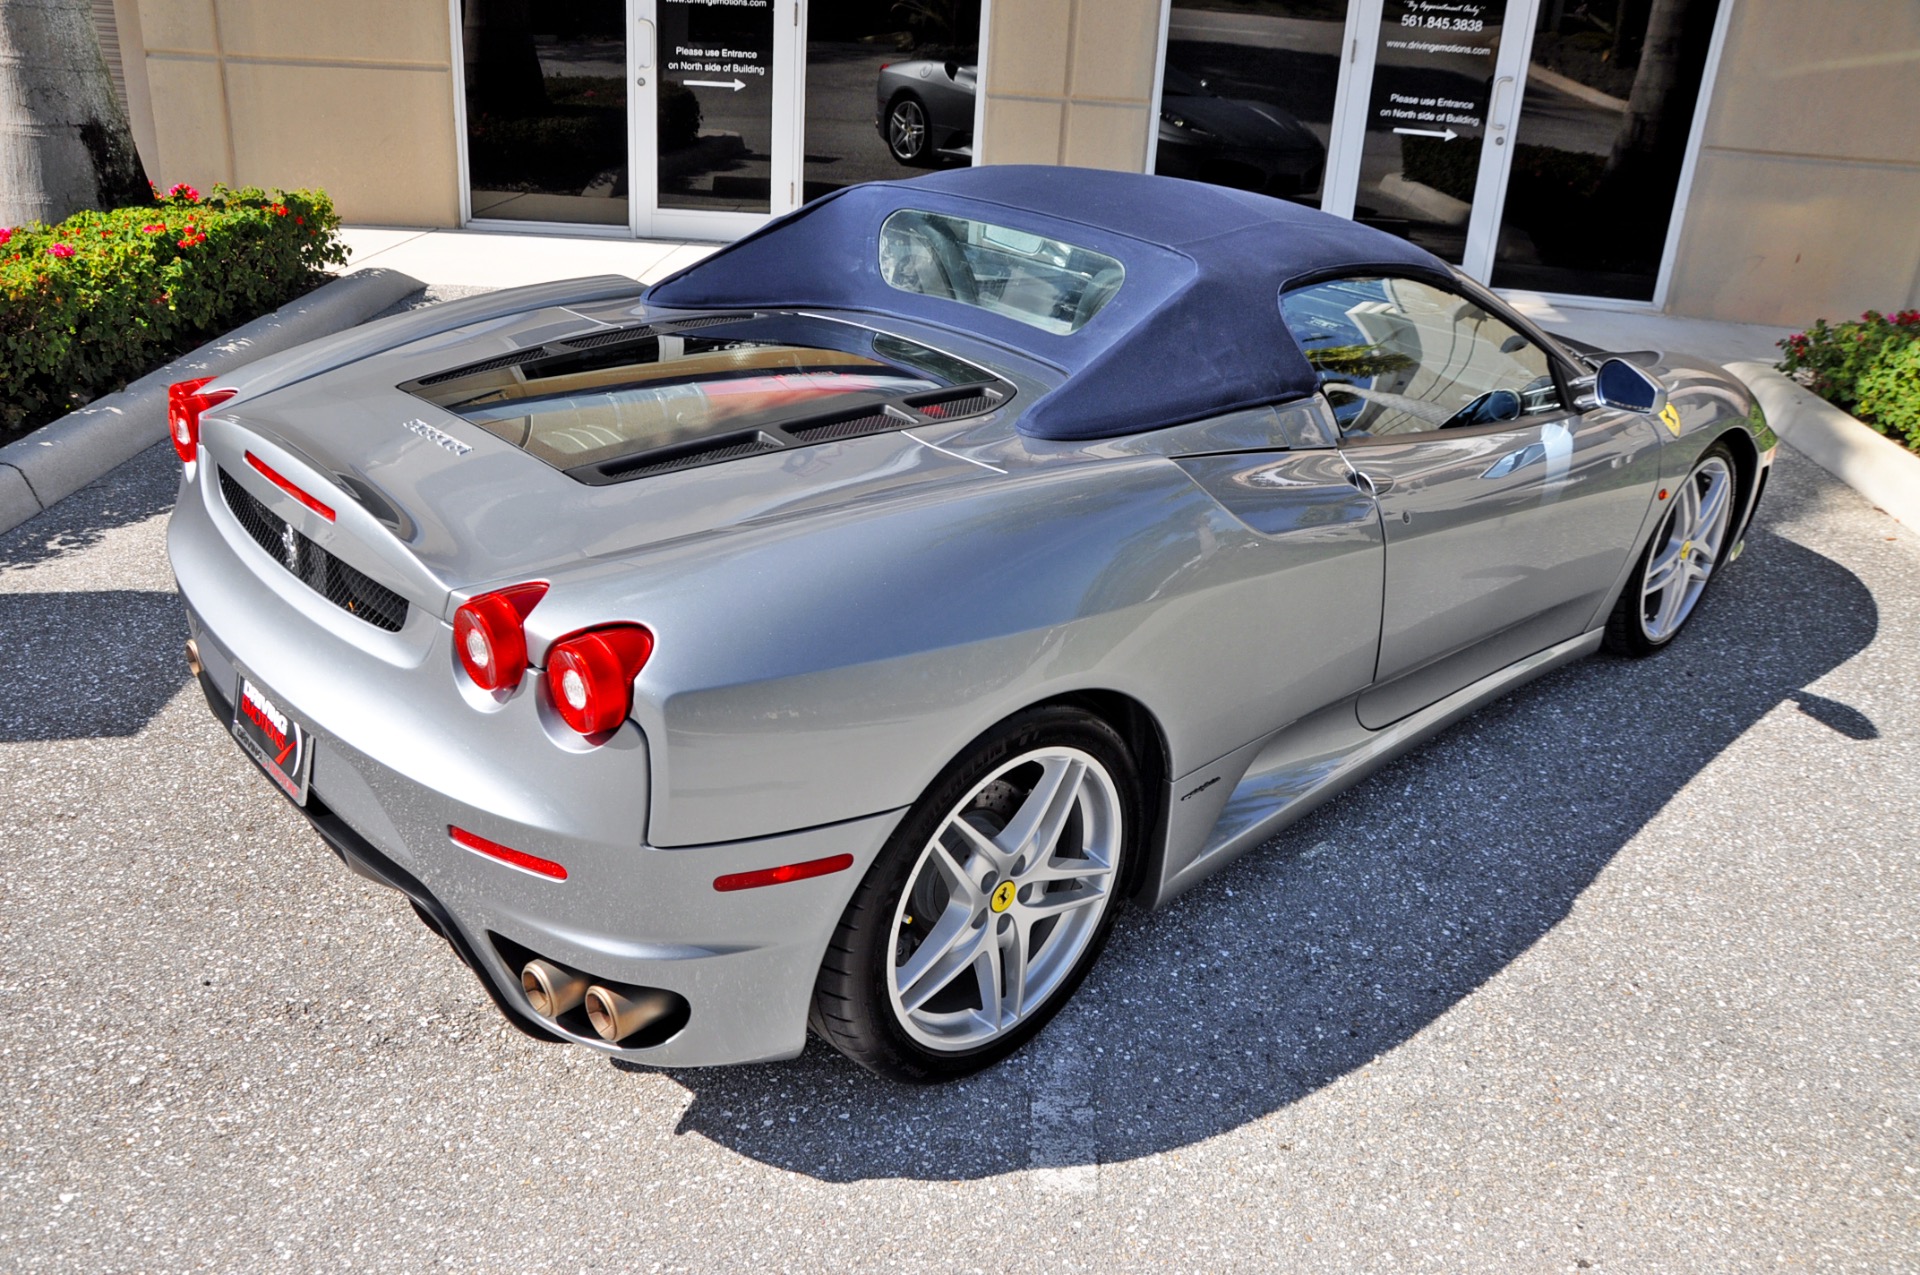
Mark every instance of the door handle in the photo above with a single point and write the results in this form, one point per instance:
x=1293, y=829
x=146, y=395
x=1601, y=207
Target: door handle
x=1375, y=487
x=645, y=57
x=1497, y=112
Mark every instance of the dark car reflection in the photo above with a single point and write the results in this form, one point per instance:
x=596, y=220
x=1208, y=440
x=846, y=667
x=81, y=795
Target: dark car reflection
x=1230, y=142
x=924, y=112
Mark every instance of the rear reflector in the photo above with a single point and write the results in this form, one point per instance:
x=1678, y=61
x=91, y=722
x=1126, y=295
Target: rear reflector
x=271, y=475
x=784, y=873
x=507, y=854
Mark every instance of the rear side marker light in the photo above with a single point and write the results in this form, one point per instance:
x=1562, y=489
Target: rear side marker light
x=784, y=873
x=490, y=636
x=285, y=484
x=185, y=402
x=507, y=854
x=590, y=675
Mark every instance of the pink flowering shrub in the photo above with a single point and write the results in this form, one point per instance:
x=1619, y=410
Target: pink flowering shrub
x=105, y=297
x=1868, y=367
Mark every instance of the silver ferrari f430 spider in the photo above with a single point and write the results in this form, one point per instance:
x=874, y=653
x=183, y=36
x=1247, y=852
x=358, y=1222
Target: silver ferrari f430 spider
x=839, y=633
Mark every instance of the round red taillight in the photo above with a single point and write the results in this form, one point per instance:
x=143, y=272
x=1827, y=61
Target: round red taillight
x=590, y=675
x=489, y=635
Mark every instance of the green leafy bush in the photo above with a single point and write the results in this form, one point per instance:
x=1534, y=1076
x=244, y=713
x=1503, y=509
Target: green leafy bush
x=105, y=297
x=1890, y=393
x=1868, y=367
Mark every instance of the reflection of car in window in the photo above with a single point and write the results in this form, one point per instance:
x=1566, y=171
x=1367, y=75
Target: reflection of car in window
x=925, y=113
x=925, y=110
x=1227, y=141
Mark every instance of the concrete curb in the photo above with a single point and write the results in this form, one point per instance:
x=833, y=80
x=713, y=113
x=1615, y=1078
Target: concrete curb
x=1871, y=463
x=59, y=459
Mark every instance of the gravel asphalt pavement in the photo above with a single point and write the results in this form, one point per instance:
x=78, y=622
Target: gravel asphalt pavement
x=1618, y=975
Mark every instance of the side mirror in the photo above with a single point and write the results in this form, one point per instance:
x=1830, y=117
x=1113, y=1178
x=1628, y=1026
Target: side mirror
x=1625, y=387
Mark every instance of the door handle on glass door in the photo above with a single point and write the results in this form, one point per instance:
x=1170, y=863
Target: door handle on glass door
x=644, y=58
x=1497, y=115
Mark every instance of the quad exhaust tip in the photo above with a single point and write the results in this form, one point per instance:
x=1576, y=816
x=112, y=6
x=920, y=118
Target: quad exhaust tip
x=616, y=1015
x=552, y=991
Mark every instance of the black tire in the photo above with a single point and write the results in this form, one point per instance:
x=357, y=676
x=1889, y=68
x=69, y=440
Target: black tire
x=1628, y=624
x=909, y=131
x=853, y=1009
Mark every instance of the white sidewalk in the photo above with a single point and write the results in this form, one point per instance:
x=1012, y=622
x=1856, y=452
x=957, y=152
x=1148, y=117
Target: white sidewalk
x=505, y=259
x=497, y=259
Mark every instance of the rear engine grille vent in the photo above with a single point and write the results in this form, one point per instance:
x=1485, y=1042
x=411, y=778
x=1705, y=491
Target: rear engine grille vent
x=319, y=570
x=685, y=325
x=693, y=455
x=491, y=365
x=849, y=427
x=615, y=337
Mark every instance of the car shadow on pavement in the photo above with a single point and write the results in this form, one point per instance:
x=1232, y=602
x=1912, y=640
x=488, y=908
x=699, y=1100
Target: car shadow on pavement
x=91, y=664
x=1350, y=933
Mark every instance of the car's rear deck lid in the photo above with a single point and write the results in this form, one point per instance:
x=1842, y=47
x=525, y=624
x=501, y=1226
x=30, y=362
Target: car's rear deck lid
x=631, y=402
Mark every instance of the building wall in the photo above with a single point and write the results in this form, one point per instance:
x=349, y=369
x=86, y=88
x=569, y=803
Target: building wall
x=1806, y=201
x=352, y=96
x=1070, y=82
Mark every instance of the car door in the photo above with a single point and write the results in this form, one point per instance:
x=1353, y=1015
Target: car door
x=1508, y=513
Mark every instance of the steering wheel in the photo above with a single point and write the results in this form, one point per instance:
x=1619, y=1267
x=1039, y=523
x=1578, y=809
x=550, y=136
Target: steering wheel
x=1487, y=409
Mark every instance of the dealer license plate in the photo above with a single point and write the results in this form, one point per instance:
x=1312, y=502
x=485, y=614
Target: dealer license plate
x=274, y=739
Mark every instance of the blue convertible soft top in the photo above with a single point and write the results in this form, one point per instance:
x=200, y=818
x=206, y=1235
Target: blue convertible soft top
x=1194, y=331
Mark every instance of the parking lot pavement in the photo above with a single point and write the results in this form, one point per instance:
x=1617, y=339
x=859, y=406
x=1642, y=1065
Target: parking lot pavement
x=1618, y=975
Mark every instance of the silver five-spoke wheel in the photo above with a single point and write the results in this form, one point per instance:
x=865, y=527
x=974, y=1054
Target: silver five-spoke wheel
x=1005, y=898
x=991, y=899
x=907, y=131
x=1687, y=548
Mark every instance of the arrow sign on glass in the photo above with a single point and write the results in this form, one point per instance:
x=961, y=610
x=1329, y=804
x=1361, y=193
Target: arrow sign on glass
x=1448, y=136
x=735, y=84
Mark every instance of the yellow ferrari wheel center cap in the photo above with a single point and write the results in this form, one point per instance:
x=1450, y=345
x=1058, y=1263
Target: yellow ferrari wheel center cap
x=1003, y=895
x=1686, y=550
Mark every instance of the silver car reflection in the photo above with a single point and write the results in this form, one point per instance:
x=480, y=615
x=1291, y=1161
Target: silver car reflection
x=773, y=650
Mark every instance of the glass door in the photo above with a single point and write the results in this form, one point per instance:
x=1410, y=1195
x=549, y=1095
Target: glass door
x=545, y=103
x=717, y=89
x=1440, y=79
x=1250, y=94
x=646, y=117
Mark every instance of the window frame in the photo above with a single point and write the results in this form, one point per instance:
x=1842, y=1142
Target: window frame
x=1560, y=362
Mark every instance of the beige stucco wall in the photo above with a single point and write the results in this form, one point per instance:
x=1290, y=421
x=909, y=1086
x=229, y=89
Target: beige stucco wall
x=1806, y=202
x=1070, y=82
x=352, y=96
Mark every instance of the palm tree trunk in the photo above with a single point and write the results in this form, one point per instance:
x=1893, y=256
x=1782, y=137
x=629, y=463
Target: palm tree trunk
x=64, y=140
x=1649, y=129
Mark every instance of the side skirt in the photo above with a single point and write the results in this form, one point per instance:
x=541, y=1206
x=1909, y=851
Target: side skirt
x=1290, y=774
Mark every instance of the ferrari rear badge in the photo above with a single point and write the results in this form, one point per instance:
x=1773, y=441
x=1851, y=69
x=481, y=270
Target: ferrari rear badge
x=438, y=437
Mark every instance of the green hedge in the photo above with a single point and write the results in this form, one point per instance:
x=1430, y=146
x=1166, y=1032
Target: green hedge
x=1868, y=367
x=106, y=297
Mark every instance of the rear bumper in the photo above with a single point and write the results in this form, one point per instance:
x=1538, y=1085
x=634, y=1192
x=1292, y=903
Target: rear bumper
x=399, y=757
x=745, y=962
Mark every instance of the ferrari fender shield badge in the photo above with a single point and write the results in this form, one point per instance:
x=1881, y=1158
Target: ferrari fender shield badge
x=1670, y=416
